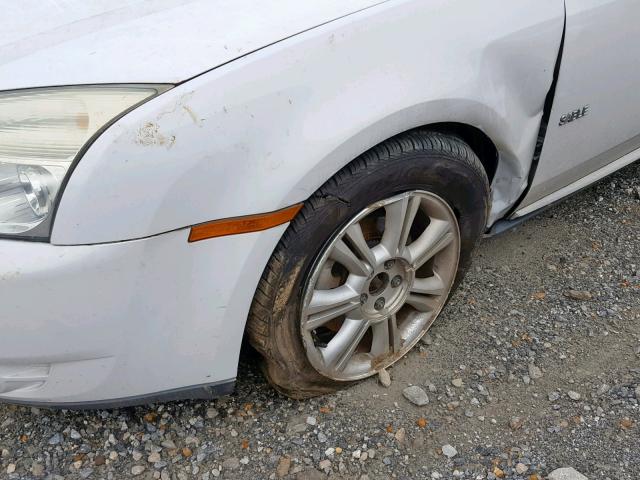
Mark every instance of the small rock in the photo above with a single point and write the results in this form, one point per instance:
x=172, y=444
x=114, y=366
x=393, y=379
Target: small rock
x=322, y=437
x=416, y=395
x=356, y=453
x=553, y=396
x=426, y=339
x=137, y=470
x=312, y=421
x=168, y=444
x=231, y=463
x=310, y=474
x=11, y=468
x=449, y=451
x=516, y=423
x=325, y=464
x=534, y=371
x=580, y=295
x=566, y=473
x=297, y=426
x=86, y=472
x=575, y=396
x=212, y=413
x=521, y=468
x=483, y=390
x=457, y=382
x=384, y=378
x=400, y=435
x=638, y=392
x=284, y=464
x=55, y=439
x=153, y=457
x=37, y=470
x=136, y=455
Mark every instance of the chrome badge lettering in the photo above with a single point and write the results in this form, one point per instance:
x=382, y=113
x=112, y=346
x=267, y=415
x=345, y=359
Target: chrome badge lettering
x=575, y=115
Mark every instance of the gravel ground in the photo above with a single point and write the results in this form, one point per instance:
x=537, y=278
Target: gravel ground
x=534, y=365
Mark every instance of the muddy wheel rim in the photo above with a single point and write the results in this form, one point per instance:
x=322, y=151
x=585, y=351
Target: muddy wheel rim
x=379, y=284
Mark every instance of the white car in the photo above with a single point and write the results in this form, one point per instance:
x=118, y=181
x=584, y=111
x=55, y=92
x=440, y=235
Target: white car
x=175, y=175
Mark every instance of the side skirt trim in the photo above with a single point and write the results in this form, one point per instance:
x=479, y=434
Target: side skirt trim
x=207, y=391
x=580, y=184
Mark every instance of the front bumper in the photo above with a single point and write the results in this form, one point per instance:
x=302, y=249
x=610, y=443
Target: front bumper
x=123, y=323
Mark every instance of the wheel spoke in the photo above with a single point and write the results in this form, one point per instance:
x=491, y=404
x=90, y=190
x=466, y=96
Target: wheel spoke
x=423, y=303
x=399, y=217
x=437, y=236
x=354, y=233
x=433, y=285
x=340, y=349
x=342, y=254
x=386, y=337
x=394, y=333
x=326, y=305
x=381, y=344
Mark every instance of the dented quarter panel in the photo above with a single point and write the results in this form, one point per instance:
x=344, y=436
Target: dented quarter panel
x=266, y=130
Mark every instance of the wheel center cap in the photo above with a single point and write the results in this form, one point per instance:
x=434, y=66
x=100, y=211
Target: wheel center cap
x=386, y=290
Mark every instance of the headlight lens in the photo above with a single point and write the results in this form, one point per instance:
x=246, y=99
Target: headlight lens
x=41, y=132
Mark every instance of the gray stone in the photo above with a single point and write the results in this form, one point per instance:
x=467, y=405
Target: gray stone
x=86, y=472
x=534, y=371
x=449, y=451
x=384, y=378
x=521, y=468
x=566, y=473
x=310, y=474
x=212, y=413
x=137, y=470
x=231, y=463
x=416, y=395
x=578, y=295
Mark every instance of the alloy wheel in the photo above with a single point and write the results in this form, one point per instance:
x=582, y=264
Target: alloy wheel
x=379, y=284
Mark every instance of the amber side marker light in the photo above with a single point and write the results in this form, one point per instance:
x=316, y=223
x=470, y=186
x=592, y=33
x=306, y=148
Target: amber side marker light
x=246, y=224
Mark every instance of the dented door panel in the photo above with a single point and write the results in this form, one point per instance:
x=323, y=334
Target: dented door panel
x=594, y=119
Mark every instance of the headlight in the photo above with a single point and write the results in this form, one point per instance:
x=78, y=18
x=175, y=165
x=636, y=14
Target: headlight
x=41, y=132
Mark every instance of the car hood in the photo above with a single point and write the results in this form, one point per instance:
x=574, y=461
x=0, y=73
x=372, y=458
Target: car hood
x=63, y=42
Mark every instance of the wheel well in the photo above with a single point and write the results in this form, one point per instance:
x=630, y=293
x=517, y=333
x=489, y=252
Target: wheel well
x=479, y=142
